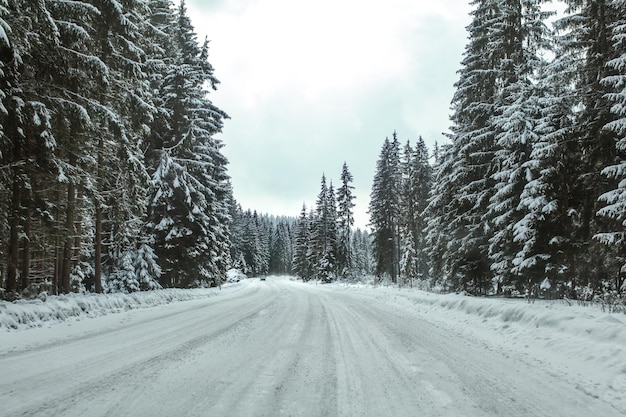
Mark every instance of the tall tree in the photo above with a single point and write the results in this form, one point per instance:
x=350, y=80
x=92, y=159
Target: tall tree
x=384, y=209
x=322, y=249
x=516, y=120
x=189, y=196
x=301, y=264
x=585, y=49
x=345, y=221
x=615, y=199
x=415, y=189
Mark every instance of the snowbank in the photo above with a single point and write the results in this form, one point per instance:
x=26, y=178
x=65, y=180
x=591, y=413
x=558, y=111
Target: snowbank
x=583, y=344
x=235, y=275
x=35, y=313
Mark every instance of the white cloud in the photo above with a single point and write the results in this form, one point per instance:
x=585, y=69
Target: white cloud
x=316, y=48
x=311, y=84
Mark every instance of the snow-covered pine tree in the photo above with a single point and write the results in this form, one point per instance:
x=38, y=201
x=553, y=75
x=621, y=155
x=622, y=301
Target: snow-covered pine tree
x=329, y=266
x=345, y=221
x=486, y=68
x=498, y=47
x=52, y=42
x=416, y=184
x=236, y=228
x=516, y=119
x=543, y=234
x=322, y=248
x=585, y=49
x=5, y=143
x=213, y=173
x=301, y=265
x=189, y=195
x=442, y=220
x=280, y=251
x=384, y=210
x=362, y=249
x=615, y=199
x=255, y=239
x=408, y=255
x=124, y=112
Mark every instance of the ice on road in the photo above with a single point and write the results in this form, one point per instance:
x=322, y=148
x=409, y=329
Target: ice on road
x=274, y=348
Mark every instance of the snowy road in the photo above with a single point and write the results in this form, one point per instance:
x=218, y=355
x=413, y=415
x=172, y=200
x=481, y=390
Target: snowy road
x=274, y=348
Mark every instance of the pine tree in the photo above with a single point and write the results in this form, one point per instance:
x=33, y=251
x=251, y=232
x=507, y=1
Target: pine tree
x=517, y=120
x=323, y=242
x=485, y=68
x=345, y=221
x=615, y=199
x=189, y=196
x=49, y=119
x=444, y=222
x=416, y=184
x=301, y=264
x=585, y=49
x=504, y=35
x=544, y=232
x=123, y=116
x=384, y=210
x=362, y=249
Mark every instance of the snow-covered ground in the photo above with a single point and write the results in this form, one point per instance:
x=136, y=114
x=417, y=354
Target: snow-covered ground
x=43, y=312
x=281, y=347
x=579, y=344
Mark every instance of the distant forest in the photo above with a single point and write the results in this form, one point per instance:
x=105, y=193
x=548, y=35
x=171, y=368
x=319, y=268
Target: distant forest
x=112, y=179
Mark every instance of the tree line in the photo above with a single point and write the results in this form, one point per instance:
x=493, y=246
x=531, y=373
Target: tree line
x=261, y=244
x=326, y=246
x=111, y=177
x=532, y=184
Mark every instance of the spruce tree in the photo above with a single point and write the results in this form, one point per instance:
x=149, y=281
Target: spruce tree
x=345, y=221
x=322, y=249
x=443, y=221
x=516, y=120
x=189, y=194
x=301, y=264
x=613, y=234
x=585, y=50
x=416, y=184
x=384, y=210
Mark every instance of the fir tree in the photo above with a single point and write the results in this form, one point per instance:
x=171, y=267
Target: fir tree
x=615, y=199
x=189, y=196
x=345, y=221
x=301, y=264
x=516, y=120
x=384, y=210
x=322, y=249
x=416, y=184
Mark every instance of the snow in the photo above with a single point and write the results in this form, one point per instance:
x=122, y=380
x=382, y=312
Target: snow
x=23, y=314
x=578, y=343
x=235, y=275
x=282, y=347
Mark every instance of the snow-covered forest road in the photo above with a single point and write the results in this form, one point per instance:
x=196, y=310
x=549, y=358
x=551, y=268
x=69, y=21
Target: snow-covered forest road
x=276, y=348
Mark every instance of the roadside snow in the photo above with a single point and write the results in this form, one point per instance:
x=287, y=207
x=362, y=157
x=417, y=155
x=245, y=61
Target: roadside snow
x=36, y=313
x=581, y=344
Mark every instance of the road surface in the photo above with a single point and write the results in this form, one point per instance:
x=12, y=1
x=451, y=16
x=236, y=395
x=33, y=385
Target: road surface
x=274, y=348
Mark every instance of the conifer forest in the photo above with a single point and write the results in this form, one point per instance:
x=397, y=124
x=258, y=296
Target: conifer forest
x=113, y=179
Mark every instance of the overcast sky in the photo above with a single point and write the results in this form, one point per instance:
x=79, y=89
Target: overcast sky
x=309, y=85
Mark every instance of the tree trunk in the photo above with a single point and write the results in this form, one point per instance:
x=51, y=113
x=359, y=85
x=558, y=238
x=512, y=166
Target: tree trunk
x=57, y=245
x=66, y=268
x=98, y=251
x=13, y=244
x=98, y=236
x=24, y=279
